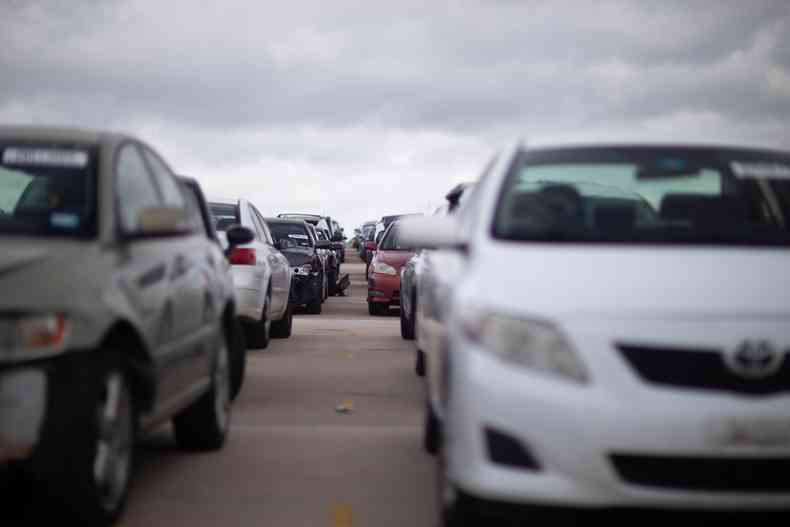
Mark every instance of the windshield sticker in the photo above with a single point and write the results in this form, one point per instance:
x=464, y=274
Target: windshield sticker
x=298, y=236
x=760, y=170
x=64, y=220
x=53, y=157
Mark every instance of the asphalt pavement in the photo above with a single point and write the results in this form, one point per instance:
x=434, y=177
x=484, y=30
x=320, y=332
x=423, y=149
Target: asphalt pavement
x=326, y=432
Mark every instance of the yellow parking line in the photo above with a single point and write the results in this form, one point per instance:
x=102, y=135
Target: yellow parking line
x=342, y=515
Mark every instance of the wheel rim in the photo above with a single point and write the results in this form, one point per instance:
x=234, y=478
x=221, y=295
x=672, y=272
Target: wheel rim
x=222, y=387
x=112, y=464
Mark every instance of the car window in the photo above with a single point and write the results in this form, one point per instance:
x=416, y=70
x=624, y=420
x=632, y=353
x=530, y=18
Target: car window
x=47, y=190
x=265, y=234
x=172, y=193
x=194, y=213
x=224, y=215
x=294, y=232
x=135, y=190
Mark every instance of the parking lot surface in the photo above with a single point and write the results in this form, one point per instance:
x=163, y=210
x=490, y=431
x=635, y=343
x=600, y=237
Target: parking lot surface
x=326, y=431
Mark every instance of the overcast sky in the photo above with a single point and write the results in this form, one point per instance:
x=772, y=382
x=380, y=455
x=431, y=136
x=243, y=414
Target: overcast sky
x=361, y=109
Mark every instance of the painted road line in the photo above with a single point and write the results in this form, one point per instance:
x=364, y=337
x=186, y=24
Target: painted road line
x=342, y=515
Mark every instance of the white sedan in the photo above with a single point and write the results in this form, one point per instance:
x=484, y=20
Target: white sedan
x=619, y=336
x=261, y=274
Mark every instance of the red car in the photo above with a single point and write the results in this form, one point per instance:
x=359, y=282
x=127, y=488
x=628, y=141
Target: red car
x=384, y=272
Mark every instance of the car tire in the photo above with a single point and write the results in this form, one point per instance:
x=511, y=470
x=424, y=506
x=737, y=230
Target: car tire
x=238, y=357
x=204, y=424
x=259, y=332
x=94, y=434
x=407, y=324
x=419, y=363
x=314, y=307
x=281, y=329
x=432, y=431
x=377, y=309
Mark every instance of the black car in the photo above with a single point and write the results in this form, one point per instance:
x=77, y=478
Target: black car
x=294, y=240
x=336, y=238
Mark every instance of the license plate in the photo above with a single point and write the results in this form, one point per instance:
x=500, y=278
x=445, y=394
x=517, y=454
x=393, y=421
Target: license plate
x=765, y=432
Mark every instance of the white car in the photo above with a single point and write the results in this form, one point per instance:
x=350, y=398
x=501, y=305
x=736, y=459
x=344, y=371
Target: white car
x=261, y=274
x=620, y=334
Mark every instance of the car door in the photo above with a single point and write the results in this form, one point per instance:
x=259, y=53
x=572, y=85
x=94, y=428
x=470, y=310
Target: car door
x=280, y=269
x=146, y=265
x=192, y=299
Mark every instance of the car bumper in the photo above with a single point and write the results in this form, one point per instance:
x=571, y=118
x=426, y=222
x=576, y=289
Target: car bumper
x=23, y=400
x=384, y=288
x=306, y=289
x=571, y=440
x=247, y=282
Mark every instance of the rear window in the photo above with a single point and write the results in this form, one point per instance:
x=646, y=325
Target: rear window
x=291, y=231
x=47, y=190
x=224, y=215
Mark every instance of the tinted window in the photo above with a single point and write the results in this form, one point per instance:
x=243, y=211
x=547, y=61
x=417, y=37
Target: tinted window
x=135, y=190
x=47, y=190
x=171, y=193
x=637, y=194
x=291, y=231
x=391, y=240
x=224, y=215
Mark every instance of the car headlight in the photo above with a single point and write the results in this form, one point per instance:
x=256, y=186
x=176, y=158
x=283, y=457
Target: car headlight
x=34, y=335
x=305, y=269
x=533, y=344
x=381, y=267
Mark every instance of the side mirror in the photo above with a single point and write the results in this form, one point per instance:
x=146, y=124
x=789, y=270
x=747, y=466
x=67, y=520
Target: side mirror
x=323, y=244
x=161, y=221
x=432, y=232
x=237, y=235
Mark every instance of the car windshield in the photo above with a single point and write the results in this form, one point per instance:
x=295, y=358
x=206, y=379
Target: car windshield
x=47, y=190
x=391, y=241
x=224, y=215
x=647, y=195
x=290, y=231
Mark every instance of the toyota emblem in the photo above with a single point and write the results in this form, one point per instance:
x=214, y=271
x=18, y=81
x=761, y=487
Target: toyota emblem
x=754, y=359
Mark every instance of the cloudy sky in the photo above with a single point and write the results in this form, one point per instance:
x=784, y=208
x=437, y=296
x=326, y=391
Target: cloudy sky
x=360, y=109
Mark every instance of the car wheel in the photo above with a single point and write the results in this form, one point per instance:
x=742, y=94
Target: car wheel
x=452, y=505
x=314, y=307
x=84, y=462
x=406, y=324
x=432, y=434
x=204, y=424
x=377, y=309
x=258, y=332
x=281, y=329
x=238, y=357
x=419, y=363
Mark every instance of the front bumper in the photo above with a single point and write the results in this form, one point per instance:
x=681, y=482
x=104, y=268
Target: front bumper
x=384, y=288
x=306, y=289
x=573, y=433
x=23, y=400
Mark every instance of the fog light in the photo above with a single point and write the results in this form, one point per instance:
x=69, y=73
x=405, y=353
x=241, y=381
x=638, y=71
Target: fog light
x=506, y=450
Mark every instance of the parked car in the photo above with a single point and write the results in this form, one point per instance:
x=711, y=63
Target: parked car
x=237, y=350
x=364, y=236
x=430, y=275
x=631, y=303
x=261, y=274
x=384, y=274
x=113, y=315
x=297, y=242
x=332, y=233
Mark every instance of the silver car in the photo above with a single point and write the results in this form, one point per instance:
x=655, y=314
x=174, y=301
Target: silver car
x=261, y=274
x=114, y=313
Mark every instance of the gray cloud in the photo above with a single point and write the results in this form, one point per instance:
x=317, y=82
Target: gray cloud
x=312, y=89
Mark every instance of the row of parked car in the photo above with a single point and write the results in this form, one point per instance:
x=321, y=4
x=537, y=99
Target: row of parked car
x=605, y=327
x=128, y=300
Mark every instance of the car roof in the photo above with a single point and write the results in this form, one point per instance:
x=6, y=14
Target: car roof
x=58, y=134
x=296, y=221
x=698, y=145
x=224, y=201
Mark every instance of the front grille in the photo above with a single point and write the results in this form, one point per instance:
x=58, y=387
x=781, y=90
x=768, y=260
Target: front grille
x=699, y=369
x=705, y=474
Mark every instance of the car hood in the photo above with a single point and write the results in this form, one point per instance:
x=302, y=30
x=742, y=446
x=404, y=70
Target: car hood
x=298, y=255
x=35, y=274
x=677, y=281
x=396, y=259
